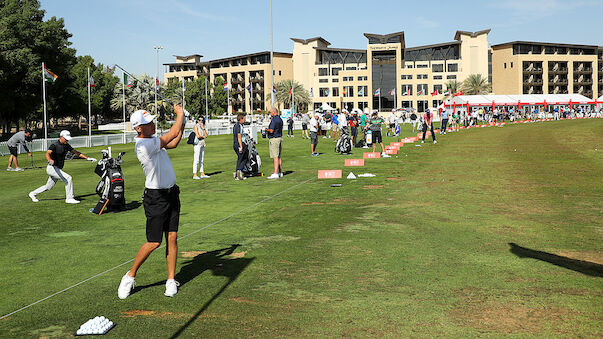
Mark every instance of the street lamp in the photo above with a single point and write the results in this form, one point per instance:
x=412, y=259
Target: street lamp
x=272, y=94
x=156, y=48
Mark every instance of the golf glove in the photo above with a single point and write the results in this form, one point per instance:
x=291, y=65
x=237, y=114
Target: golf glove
x=91, y=159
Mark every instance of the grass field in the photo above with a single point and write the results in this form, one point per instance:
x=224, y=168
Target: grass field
x=491, y=232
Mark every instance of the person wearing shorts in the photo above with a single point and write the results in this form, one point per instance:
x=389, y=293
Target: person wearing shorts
x=305, y=120
x=375, y=127
x=313, y=124
x=18, y=138
x=161, y=199
x=275, y=143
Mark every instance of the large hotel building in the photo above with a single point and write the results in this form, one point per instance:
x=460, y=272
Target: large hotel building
x=404, y=76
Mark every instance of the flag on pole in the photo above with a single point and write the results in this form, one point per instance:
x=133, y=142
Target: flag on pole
x=91, y=81
x=183, y=85
x=407, y=92
x=378, y=92
x=290, y=90
x=274, y=89
x=344, y=91
x=361, y=92
x=447, y=93
x=127, y=81
x=434, y=93
x=225, y=86
x=312, y=92
x=392, y=92
x=49, y=76
x=157, y=83
x=458, y=93
x=327, y=93
x=249, y=88
x=420, y=92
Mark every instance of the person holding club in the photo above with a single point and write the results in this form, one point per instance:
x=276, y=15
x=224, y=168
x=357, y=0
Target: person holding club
x=161, y=199
x=22, y=138
x=56, y=160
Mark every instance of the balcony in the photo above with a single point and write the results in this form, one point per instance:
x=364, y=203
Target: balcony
x=583, y=82
x=533, y=70
x=533, y=82
x=562, y=82
x=586, y=70
x=558, y=70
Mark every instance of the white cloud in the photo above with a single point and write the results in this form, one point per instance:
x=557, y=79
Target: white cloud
x=426, y=23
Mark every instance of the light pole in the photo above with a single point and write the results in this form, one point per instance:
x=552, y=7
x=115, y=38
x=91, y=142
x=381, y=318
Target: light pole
x=156, y=48
x=272, y=94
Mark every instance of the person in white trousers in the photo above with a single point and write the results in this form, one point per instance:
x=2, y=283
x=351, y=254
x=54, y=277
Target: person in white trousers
x=199, y=149
x=56, y=160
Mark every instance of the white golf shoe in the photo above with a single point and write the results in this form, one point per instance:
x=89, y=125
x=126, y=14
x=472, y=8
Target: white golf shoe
x=273, y=176
x=19, y=169
x=71, y=201
x=33, y=198
x=171, y=288
x=384, y=155
x=126, y=286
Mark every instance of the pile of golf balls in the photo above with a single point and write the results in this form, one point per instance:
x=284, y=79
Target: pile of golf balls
x=98, y=325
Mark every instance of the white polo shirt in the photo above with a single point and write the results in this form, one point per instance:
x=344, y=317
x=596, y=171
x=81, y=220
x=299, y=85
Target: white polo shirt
x=313, y=124
x=155, y=162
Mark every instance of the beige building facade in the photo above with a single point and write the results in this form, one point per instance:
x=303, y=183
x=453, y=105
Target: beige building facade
x=387, y=74
x=522, y=67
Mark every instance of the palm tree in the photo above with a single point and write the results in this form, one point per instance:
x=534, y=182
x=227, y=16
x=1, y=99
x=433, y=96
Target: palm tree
x=476, y=84
x=138, y=96
x=453, y=86
x=283, y=96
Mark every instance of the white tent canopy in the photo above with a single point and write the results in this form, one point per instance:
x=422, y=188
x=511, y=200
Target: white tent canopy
x=520, y=100
x=326, y=107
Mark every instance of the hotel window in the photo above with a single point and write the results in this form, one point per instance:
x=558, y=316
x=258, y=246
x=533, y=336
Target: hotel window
x=332, y=104
x=453, y=67
x=437, y=68
x=436, y=103
x=437, y=77
x=323, y=71
x=505, y=65
x=335, y=92
x=451, y=77
x=422, y=76
x=422, y=89
x=406, y=77
x=348, y=91
x=422, y=105
x=363, y=105
x=335, y=70
x=323, y=92
x=363, y=91
x=348, y=78
x=323, y=80
x=350, y=68
x=511, y=65
x=437, y=88
x=422, y=66
x=407, y=104
x=405, y=88
x=279, y=73
x=335, y=80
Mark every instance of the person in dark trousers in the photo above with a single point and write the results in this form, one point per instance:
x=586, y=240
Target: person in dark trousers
x=18, y=138
x=238, y=133
x=428, y=123
x=444, y=116
x=56, y=160
x=290, y=127
x=161, y=199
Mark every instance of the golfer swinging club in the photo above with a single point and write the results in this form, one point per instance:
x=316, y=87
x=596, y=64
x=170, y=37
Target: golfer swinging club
x=161, y=199
x=56, y=160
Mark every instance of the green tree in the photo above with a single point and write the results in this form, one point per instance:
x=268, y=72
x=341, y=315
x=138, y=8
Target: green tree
x=194, y=95
x=101, y=94
x=219, y=98
x=283, y=96
x=476, y=84
x=453, y=86
x=26, y=40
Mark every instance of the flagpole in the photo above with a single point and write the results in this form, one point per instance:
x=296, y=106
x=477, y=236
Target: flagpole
x=272, y=94
x=379, y=100
x=206, y=106
x=292, y=99
x=123, y=92
x=183, y=98
x=251, y=99
x=44, y=99
x=89, y=113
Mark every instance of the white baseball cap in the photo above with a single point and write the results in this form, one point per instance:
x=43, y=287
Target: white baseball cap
x=141, y=117
x=65, y=134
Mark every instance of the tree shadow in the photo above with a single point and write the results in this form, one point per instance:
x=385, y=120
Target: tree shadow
x=219, y=266
x=581, y=266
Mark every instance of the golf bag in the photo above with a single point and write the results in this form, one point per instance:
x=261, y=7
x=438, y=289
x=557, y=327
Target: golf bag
x=253, y=162
x=111, y=186
x=344, y=144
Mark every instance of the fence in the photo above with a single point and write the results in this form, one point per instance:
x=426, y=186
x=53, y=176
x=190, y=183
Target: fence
x=38, y=145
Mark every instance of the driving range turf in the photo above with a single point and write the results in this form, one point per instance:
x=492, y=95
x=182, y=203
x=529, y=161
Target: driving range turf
x=491, y=232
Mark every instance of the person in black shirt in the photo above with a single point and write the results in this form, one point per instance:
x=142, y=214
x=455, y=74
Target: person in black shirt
x=56, y=160
x=239, y=146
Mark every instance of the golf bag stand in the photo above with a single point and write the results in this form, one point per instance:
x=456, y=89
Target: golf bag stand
x=111, y=186
x=344, y=144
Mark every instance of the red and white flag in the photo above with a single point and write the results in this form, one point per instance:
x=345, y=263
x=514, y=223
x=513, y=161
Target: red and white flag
x=91, y=82
x=458, y=93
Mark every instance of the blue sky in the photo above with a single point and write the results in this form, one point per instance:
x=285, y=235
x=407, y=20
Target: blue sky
x=125, y=31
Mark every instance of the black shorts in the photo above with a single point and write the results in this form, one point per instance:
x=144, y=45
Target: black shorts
x=392, y=125
x=377, y=138
x=304, y=127
x=162, y=209
x=13, y=150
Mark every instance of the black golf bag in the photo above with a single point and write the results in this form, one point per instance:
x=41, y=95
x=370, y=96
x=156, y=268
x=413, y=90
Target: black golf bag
x=253, y=162
x=344, y=144
x=111, y=186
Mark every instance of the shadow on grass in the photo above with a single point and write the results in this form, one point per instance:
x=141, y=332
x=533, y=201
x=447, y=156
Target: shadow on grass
x=213, y=173
x=219, y=266
x=77, y=197
x=584, y=267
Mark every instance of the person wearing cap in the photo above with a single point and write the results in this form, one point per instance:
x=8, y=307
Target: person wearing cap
x=313, y=124
x=56, y=160
x=428, y=123
x=375, y=127
x=161, y=199
x=18, y=138
x=275, y=143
